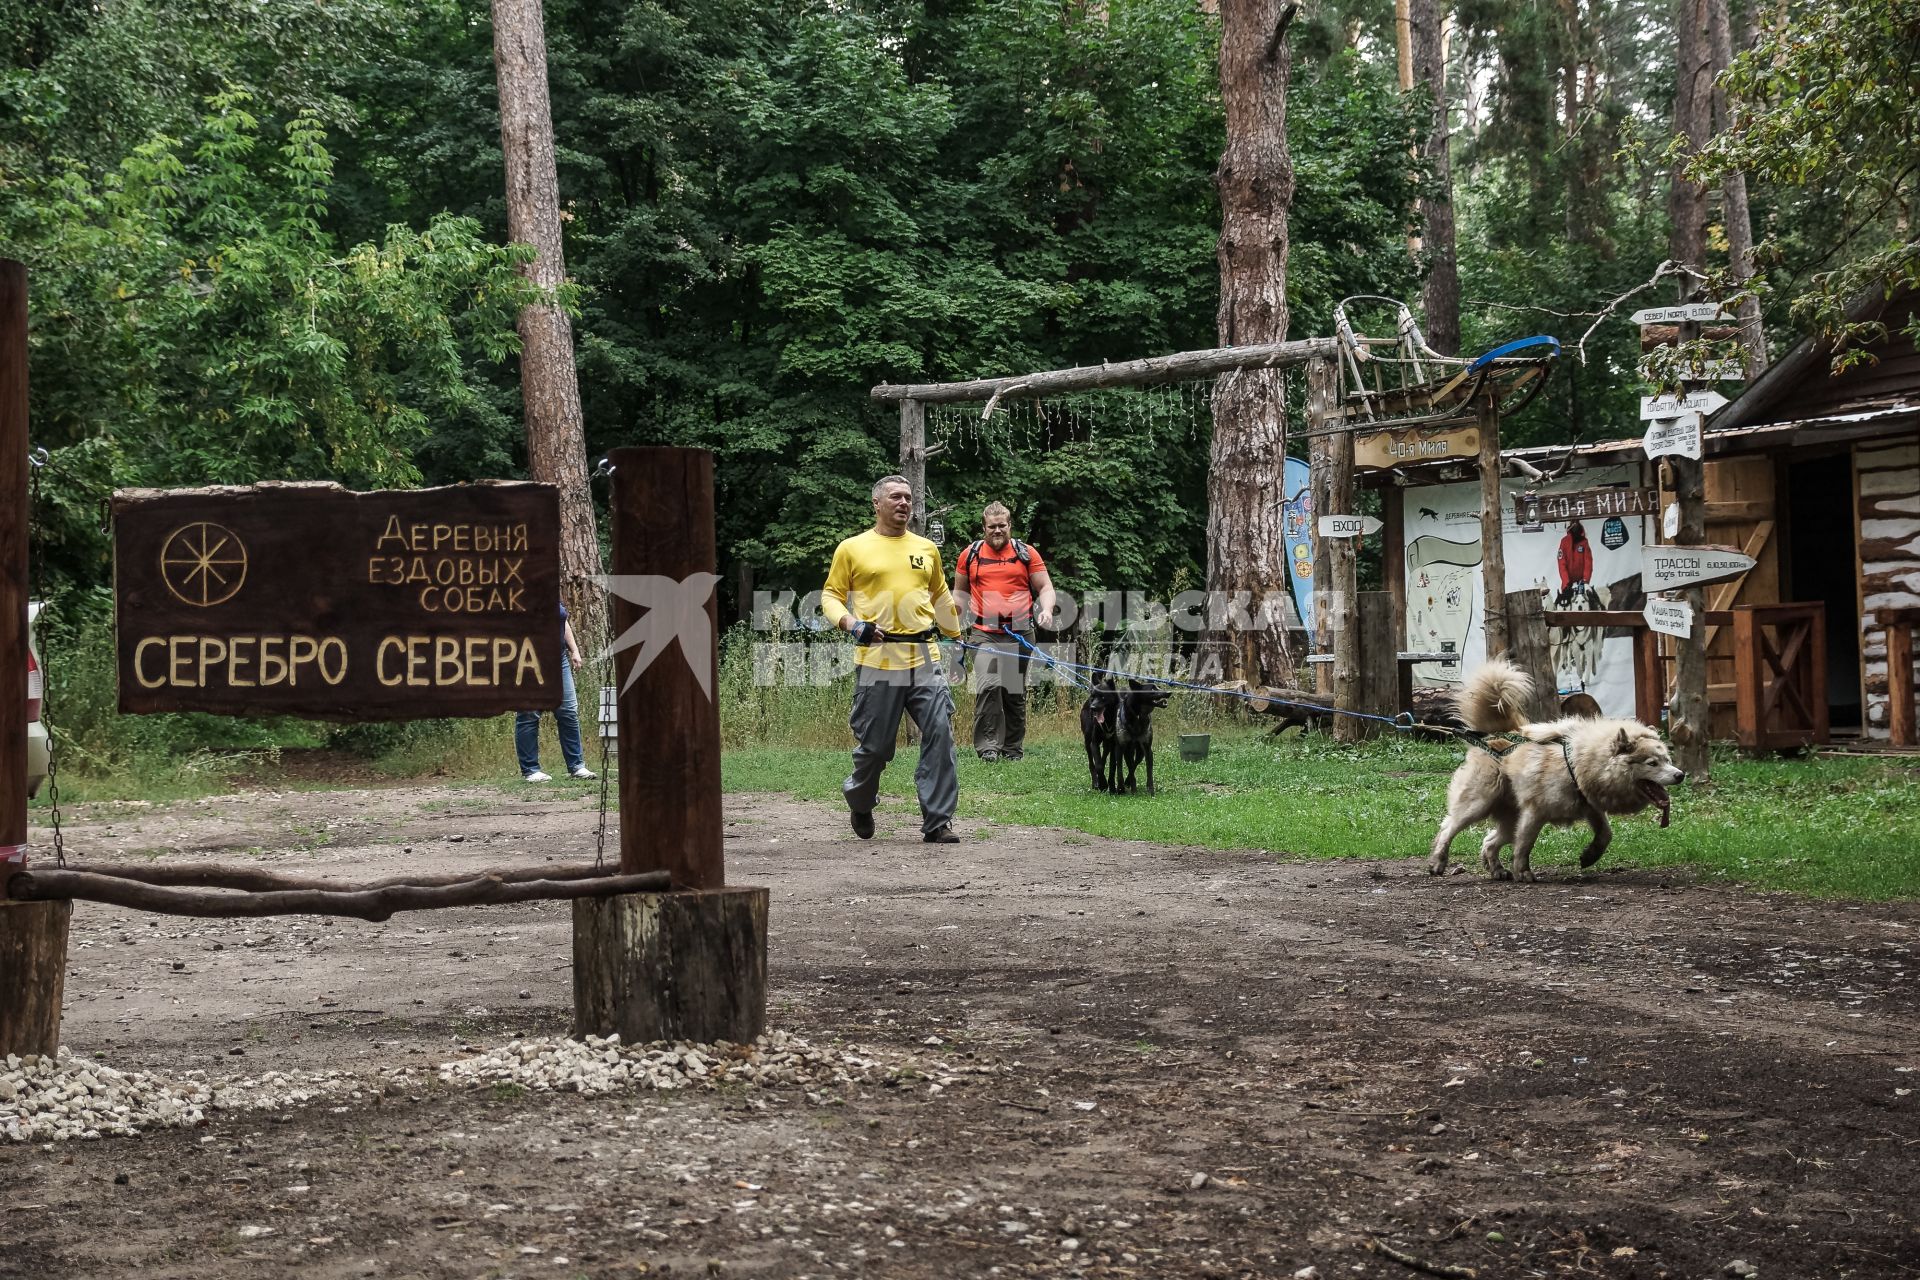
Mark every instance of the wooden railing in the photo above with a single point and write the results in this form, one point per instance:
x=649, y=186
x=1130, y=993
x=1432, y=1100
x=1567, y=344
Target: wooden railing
x=1780, y=668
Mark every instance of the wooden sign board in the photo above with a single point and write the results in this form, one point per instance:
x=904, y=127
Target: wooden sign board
x=1685, y=313
x=1588, y=504
x=1348, y=526
x=1670, y=617
x=1377, y=450
x=1668, y=568
x=1704, y=401
x=310, y=600
x=1670, y=436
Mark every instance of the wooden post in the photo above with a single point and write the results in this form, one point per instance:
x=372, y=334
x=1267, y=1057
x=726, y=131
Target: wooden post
x=1321, y=376
x=1898, y=625
x=913, y=459
x=33, y=935
x=1649, y=676
x=1493, y=552
x=1378, y=691
x=1393, y=563
x=1344, y=589
x=13, y=567
x=690, y=964
x=1690, y=715
x=1528, y=649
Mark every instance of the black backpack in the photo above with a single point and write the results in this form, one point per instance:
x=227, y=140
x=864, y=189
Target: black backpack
x=1021, y=552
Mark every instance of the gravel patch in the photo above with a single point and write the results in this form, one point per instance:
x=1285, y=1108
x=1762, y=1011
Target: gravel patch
x=69, y=1097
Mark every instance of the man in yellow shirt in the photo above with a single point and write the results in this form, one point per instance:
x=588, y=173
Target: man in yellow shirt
x=886, y=589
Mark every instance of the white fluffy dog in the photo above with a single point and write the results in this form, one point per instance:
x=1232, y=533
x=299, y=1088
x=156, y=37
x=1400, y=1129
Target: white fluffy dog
x=1557, y=773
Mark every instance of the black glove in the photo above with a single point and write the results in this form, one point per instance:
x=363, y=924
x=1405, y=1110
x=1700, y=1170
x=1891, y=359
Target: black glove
x=867, y=633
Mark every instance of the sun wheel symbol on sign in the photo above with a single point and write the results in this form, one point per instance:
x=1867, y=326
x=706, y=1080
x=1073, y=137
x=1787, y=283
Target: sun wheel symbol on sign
x=203, y=564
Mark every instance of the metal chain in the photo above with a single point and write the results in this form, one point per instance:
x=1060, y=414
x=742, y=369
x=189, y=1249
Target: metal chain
x=37, y=460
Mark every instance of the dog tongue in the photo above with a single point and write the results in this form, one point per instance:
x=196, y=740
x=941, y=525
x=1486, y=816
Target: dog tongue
x=1661, y=801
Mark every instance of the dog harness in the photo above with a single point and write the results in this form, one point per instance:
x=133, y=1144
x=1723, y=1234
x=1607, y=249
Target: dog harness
x=1485, y=742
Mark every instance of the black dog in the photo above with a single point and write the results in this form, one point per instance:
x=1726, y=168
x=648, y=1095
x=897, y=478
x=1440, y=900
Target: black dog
x=1133, y=734
x=1097, y=719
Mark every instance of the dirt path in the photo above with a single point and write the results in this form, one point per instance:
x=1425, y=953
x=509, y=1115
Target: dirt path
x=1624, y=1075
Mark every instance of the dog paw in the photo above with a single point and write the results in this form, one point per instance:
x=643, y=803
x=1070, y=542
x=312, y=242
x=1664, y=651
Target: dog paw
x=1591, y=856
x=1500, y=873
x=1526, y=876
x=1436, y=867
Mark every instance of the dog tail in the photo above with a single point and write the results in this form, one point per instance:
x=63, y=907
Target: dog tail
x=1494, y=698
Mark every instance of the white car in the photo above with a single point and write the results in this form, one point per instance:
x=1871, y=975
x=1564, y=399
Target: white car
x=38, y=755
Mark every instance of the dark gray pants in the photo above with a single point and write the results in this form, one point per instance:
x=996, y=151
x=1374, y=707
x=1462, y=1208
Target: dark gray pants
x=879, y=699
x=999, y=694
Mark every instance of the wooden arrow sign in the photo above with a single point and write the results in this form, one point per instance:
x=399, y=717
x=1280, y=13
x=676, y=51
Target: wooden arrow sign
x=1679, y=435
x=1674, y=406
x=1670, y=617
x=1348, y=526
x=1668, y=568
x=1692, y=312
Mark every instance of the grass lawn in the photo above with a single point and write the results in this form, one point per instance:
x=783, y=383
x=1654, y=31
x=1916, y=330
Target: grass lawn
x=1838, y=827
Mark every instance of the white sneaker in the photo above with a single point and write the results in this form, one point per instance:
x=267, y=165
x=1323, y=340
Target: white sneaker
x=537, y=776
x=584, y=773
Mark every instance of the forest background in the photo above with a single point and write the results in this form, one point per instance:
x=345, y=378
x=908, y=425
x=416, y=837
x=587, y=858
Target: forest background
x=267, y=238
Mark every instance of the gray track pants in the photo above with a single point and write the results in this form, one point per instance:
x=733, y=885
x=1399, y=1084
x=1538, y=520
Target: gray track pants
x=879, y=699
x=999, y=694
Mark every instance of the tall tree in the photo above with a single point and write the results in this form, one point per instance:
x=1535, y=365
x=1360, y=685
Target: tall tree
x=1734, y=211
x=1441, y=292
x=1246, y=549
x=1687, y=247
x=1692, y=127
x=1825, y=110
x=556, y=431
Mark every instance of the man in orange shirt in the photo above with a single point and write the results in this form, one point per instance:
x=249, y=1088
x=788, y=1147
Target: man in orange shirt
x=1000, y=577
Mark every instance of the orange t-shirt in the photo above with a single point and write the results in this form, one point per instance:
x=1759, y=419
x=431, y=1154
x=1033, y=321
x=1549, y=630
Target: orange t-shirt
x=1001, y=587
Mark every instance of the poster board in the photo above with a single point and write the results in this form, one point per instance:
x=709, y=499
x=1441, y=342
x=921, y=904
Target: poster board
x=1582, y=564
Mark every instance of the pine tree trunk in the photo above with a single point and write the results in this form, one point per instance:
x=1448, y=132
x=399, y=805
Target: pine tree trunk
x=1733, y=188
x=550, y=388
x=1246, y=549
x=1689, y=716
x=1692, y=103
x=1441, y=293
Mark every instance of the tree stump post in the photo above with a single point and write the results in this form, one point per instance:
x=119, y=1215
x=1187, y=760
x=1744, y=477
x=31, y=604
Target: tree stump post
x=33, y=970
x=689, y=964
x=1529, y=650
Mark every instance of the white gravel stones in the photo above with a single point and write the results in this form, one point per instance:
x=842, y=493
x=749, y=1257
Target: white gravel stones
x=56, y=1099
x=67, y=1096
x=777, y=1060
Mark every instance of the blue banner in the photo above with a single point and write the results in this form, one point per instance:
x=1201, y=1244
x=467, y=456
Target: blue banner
x=1296, y=510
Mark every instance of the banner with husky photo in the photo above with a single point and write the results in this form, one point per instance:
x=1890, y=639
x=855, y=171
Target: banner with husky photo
x=1574, y=566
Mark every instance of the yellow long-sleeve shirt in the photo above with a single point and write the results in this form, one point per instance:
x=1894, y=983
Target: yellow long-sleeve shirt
x=896, y=584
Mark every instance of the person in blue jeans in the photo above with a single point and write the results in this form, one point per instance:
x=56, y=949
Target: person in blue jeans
x=566, y=718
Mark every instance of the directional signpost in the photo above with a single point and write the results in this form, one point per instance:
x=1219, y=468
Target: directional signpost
x=1348, y=526
x=1669, y=568
x=1672, y=406
x=1670, y=617
x=1679, y=435
x=1691, y=312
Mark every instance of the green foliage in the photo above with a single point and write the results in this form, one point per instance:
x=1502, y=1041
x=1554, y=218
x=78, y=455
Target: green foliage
x=1826, y=109
x=193, y=322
